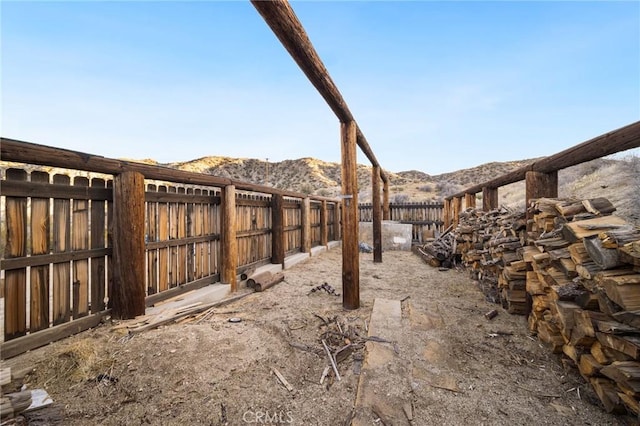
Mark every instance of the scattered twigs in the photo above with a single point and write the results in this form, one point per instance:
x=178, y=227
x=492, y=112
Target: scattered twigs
x=282, y=379
x=333, y=362
x=325, y=372
x=322, y=319
x=326, y=287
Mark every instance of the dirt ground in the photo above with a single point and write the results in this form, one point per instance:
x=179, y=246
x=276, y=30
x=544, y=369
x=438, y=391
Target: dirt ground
x=463, y=368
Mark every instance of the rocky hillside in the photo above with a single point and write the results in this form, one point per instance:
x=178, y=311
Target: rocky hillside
x=618, y=180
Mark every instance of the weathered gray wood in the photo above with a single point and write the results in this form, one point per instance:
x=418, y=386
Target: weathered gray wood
x=31, y=341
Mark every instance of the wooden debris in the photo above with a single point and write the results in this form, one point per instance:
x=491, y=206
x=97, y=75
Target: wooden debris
x=282, y=379
x=331, y=360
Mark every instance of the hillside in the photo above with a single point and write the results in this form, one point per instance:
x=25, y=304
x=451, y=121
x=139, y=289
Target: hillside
x=618, y=180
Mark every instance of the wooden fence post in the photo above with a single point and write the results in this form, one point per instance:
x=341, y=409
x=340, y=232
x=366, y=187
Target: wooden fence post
x=324, y=228
x=350, y=253
x=541, y=185
x=469, y=201
x=377, y=214
x=489, y=198
x=446, y=213
x=306, y=225
x=277, y=229
x=128, y=290
x=457, y=208
x=229, y=244
x=386, y=212
x=337, y=222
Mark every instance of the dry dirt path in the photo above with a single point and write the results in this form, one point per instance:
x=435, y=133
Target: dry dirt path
x=462, y=368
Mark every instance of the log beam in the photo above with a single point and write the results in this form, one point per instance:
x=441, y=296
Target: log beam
x=128, y=289
x=284, y=23
x=350, y=253
x=622, y=139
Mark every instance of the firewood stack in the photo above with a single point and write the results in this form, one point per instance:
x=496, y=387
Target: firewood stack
x=583, y=278
x=489, y=244
x=575, y=269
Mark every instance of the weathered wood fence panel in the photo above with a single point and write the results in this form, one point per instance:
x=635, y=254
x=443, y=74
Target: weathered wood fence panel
x=58, y=269
x=292, y=225
x=315, y=219
x=253, y=225
x=55, y=257
x=423, y=216
x=182, y=239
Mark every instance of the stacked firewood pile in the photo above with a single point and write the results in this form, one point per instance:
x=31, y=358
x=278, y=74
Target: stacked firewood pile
x=488, y=245
x=583, y=277
x=575, y=270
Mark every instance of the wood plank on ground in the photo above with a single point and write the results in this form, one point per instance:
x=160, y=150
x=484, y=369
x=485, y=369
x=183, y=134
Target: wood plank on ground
x=382, y=389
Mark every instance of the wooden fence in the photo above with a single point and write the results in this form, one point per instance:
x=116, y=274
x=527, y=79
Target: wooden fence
x=423, y=216
x=541, y=176
x=60, y=273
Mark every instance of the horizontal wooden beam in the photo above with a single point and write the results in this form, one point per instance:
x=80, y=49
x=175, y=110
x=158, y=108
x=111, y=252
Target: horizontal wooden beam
x=31, y=153
x=26, y=343
x=622, y=139
x=284, y=23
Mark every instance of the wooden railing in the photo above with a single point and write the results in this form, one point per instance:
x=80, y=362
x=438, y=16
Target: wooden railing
x=425, y=216
x=541, y=176
x=71, y=249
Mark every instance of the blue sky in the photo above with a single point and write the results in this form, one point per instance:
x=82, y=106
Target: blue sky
x=435, y=86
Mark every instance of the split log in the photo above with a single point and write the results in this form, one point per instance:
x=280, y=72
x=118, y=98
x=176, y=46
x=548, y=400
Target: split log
x=605, y=258
x=575, y=231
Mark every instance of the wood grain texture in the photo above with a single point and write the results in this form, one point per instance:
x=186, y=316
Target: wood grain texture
x=15, y=300
x=128, y=292
x=40, y=228
x=489, y=198
x=277, y=230
x=229, y=246
x=350, y=252
x=61, y=244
